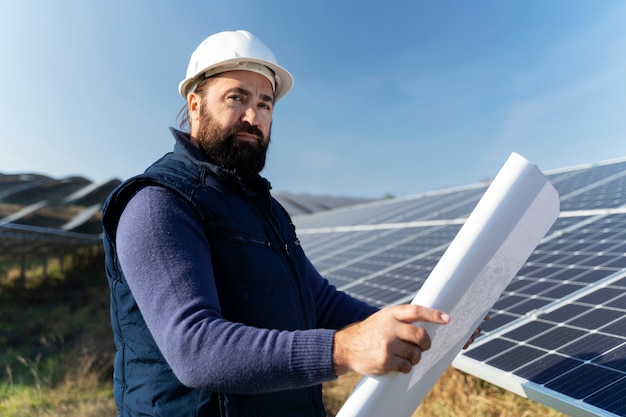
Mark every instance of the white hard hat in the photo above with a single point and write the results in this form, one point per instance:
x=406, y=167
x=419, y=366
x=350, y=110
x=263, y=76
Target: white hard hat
x=234, y=51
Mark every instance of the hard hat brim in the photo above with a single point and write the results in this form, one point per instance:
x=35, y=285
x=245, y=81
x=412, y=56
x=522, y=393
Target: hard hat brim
x=284, y=79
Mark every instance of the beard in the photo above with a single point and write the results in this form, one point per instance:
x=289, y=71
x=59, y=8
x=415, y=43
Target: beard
x=221, y=146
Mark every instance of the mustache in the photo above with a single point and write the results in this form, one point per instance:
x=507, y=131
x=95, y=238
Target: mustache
x=246, y=128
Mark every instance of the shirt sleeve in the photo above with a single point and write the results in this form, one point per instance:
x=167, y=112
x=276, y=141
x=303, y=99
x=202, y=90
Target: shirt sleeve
x=166, y=259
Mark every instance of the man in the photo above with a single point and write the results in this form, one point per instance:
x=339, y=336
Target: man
x=215, y=309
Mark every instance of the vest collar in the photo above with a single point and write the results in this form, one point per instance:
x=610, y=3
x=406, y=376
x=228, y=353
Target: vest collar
x=184, y=146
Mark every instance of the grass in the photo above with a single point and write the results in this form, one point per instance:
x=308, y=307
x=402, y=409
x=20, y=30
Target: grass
x=56, y=354
x=56, y=346
x=75, y=396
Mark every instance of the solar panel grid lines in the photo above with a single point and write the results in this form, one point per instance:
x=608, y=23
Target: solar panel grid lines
x=607, y=407
x=600, y=194
x=577, y=307
x=584, y=174
x=320, y=248
x=384, y=238
x=358, y=277
x=558, y=332
x=551, y=268
x=576, y=328
x=387, y=242
x=389, y=261
x=385, y=262
x=437, y=205
x=461, y=208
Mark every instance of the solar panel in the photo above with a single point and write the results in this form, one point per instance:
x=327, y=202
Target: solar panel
x=41, y=216
x=558, y=332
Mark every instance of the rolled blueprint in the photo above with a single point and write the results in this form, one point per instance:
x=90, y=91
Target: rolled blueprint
x=509, y=221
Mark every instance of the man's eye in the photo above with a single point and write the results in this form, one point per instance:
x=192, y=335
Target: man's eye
x=235, y=98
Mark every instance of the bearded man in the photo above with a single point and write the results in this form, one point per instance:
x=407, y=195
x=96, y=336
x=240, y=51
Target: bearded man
x=215, y=308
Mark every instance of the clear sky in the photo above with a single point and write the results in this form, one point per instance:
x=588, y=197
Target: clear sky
x=390, y=97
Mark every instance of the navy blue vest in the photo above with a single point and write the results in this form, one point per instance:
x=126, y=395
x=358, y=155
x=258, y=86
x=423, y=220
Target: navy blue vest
x=259, y=271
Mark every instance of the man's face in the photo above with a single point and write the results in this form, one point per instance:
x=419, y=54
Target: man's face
x=233, y=121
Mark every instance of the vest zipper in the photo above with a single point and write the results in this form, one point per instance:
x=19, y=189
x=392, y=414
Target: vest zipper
x=308, y=321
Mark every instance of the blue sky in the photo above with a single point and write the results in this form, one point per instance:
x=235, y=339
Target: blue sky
x=389, y=97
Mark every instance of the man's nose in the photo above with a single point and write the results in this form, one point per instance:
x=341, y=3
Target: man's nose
x=251, y=115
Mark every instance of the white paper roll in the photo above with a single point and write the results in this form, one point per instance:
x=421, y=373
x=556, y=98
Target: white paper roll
x=512, y=217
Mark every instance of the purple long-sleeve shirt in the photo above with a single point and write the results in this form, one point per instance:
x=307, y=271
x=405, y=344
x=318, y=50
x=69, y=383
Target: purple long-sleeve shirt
x=166, y=259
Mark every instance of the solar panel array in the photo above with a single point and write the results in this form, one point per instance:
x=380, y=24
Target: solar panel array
x=558, y=332
x=303, y=203
x=41, y=216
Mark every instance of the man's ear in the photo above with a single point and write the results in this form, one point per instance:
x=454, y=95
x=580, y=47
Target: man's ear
x=193, y=106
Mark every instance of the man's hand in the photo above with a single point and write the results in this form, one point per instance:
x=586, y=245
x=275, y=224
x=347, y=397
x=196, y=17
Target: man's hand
x=386, y=341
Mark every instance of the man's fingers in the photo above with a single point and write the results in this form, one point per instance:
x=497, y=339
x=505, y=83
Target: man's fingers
x=411, y=313
x=389, y=340
x=421, y=338
x=409, y=330
x=407, y=356
x=414, y=355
